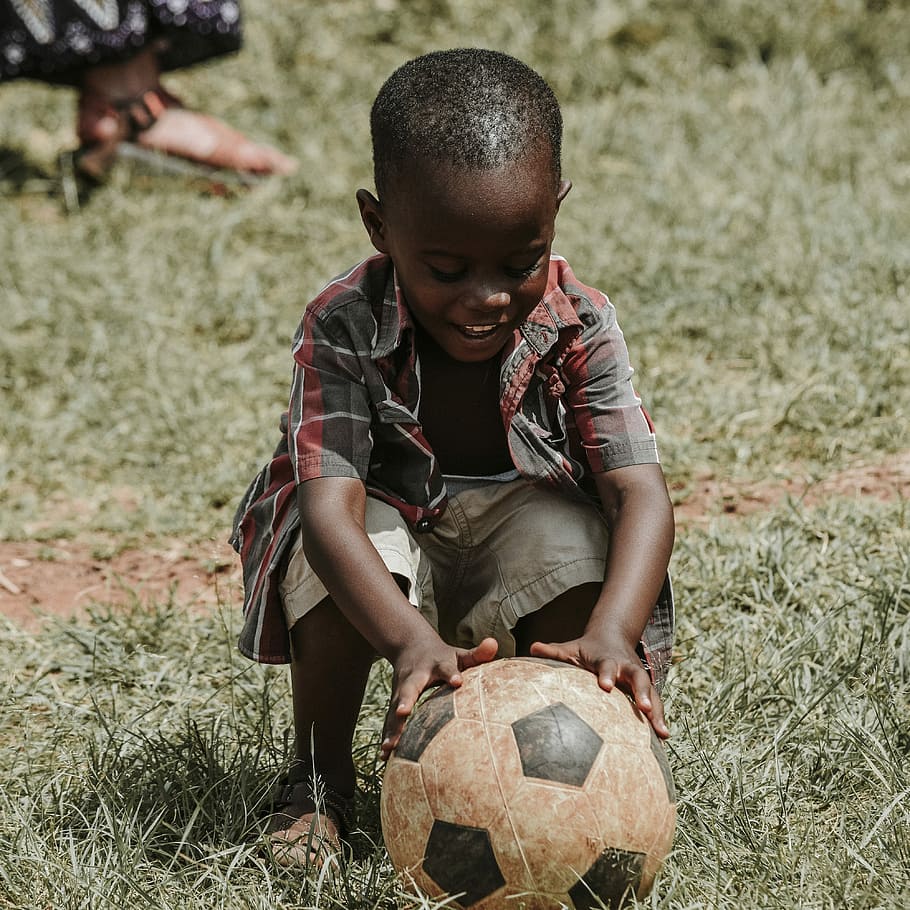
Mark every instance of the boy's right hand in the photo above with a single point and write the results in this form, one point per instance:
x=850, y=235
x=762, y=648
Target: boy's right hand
x=419, y=666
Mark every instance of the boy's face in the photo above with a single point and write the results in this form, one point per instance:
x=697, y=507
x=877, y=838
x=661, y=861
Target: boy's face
x=471, y=247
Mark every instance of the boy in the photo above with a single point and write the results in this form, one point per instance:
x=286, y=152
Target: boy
x=465, y=471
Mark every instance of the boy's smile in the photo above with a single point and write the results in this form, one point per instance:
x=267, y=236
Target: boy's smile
x=471, y=247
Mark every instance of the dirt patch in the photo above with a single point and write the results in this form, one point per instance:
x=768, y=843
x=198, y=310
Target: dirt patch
x=710, y=497
x=64, y=577
x=61, y=578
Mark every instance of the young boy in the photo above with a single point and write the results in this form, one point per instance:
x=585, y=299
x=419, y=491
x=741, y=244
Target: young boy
x=465, y=471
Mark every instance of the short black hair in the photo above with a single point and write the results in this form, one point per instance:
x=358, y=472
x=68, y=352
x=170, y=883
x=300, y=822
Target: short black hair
x=466, y=106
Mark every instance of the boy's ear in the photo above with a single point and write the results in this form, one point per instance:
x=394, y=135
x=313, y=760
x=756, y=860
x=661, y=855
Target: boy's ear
x=373, y=219
x=563, y=191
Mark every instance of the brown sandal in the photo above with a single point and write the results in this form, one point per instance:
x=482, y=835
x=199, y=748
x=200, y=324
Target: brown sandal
x=94, y=158
x=314, y=845
x=226, y=154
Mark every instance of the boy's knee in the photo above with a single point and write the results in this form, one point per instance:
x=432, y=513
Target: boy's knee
x=325, y=628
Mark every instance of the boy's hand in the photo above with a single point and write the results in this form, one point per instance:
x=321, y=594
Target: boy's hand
x=613, y=666
x=421, y=665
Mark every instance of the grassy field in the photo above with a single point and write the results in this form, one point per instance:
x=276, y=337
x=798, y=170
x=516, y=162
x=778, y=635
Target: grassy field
x=742, y=192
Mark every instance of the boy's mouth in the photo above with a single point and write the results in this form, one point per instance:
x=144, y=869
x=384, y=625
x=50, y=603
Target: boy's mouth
x=478, y=331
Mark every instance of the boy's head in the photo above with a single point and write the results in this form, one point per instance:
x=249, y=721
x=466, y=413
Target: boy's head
x=471, y=107
x=466, y=150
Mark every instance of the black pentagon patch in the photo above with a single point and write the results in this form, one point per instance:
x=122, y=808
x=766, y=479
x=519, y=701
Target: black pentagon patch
x=556, y=744
x=460, y=860
x=426, y=721
x=615, y=876
x=661, y=756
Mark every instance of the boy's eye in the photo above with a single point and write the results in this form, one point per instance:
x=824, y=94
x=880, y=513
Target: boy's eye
x=526, y=272
x=520, y=273
x=449, y=277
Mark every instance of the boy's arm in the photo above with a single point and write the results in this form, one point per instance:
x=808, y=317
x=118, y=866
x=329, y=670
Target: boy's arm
x=362, y=588
x=638, y=510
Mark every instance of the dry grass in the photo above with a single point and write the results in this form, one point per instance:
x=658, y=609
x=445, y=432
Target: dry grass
x=741, y=190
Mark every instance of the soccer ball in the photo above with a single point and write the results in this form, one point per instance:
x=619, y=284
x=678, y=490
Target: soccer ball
x=528, y=788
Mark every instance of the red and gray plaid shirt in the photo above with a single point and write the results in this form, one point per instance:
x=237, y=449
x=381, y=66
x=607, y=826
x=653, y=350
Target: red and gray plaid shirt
x=567, y=403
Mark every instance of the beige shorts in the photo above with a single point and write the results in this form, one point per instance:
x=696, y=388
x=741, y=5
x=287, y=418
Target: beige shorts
x=499, y=552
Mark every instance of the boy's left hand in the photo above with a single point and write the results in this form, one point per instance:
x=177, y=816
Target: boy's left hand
x=613, y=666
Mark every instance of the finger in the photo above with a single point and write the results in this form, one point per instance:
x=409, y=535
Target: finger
x=400, y=707
x=655, y=713
x=658, y=721
x=607, y=675
x=632, y=679
x=638, y=682
x=386, y=749
x=647, y=700
x=407, y=697
x=391, y=733
x=479, y=654
x=546, y=649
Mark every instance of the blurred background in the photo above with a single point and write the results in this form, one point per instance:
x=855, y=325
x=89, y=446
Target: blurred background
x=741, y=191
x=741, y=177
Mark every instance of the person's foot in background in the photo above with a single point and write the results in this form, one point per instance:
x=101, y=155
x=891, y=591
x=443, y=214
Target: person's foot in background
x=125, y=102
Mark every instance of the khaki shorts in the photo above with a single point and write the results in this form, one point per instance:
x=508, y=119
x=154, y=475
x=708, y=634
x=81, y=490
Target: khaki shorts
x=499, y=552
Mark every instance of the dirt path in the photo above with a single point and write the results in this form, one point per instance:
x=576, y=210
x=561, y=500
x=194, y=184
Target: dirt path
x=39, y=579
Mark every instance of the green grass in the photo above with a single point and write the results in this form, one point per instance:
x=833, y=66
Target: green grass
x=742, y=192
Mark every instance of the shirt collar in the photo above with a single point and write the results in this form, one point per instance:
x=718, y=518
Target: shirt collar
x=394, y=318
x=551, y=316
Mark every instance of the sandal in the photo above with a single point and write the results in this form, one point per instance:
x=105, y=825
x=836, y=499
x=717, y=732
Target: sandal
x=312, y=844
x=95, y=157
x=216, y=149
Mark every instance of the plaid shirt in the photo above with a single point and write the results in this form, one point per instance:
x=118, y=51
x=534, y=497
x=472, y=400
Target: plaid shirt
x=566, y=398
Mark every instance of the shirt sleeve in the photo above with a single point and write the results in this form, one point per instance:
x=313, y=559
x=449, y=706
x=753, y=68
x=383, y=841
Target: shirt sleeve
x=613, y=428
x=329, y=414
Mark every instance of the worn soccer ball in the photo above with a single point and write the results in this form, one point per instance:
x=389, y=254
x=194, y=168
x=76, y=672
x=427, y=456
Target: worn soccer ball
x=528, y=788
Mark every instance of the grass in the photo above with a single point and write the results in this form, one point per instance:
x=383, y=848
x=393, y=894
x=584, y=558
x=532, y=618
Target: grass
x=742, y=191
x=793, y=701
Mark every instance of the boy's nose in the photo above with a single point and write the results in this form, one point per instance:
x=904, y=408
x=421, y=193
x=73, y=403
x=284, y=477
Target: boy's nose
x=488, y=300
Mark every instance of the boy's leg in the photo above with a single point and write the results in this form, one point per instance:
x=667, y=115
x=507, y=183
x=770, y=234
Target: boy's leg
x=329, y=670
x=330, y=666
x=562, y=619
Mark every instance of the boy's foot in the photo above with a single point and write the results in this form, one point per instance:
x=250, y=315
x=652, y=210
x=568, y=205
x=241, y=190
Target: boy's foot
x=311, y=841
x=307, y=832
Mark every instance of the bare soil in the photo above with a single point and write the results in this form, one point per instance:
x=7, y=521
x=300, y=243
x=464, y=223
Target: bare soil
x=61, y=578
x=708, y=497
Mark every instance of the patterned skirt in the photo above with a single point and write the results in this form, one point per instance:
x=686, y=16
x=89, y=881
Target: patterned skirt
x=55, y=40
